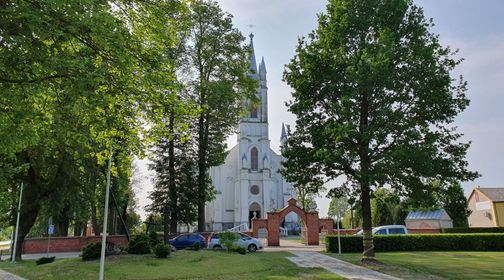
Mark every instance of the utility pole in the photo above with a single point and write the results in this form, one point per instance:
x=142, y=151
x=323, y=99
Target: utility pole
x=105, y=216
x=13, y=258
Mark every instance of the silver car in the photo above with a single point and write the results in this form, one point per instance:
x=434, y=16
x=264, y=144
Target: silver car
x=244, y=241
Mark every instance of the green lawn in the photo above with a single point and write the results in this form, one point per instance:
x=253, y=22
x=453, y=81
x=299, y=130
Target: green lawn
x=437, y=265
x=181, y=265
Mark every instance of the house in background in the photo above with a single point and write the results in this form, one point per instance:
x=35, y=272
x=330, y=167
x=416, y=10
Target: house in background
x=428, y=219
x=487, y=207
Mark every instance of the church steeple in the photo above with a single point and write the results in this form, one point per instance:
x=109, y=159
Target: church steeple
x=262, y=70
x=253, y=64
x=283, y=137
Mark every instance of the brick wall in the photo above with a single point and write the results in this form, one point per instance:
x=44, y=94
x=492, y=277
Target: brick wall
x=67, y=244
x=424, y=230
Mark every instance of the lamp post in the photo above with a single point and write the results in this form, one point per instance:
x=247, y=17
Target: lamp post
x=105, y=216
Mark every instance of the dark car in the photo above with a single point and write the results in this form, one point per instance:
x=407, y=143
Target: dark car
x=187, y=240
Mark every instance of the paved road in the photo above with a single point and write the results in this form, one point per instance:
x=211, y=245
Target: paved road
x=344, y=269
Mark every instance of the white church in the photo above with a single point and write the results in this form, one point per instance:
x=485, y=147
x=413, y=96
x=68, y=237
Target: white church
x=249, y=184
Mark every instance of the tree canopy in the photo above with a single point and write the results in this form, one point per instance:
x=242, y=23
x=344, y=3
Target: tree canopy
x=375, y=101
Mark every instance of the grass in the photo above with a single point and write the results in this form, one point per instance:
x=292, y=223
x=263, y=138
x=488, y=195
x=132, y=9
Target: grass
x=437, y=265
x=180, y=265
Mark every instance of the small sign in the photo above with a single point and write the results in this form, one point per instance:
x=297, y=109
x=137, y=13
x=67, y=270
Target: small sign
x=50, y=230
x=485, y=205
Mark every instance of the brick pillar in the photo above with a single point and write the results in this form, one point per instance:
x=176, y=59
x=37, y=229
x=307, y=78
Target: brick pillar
x=312, y=235
x=273, y=229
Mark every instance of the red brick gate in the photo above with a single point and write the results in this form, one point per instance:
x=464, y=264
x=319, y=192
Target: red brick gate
x=311, y=221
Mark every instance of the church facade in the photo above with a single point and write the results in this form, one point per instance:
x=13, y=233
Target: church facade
x=249, y=184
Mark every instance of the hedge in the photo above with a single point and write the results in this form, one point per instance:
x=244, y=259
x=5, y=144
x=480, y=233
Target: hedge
x=474, y=230
x=421, y=242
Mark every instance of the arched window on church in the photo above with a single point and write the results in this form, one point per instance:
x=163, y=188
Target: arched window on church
x=253, y=113
x=254, y=159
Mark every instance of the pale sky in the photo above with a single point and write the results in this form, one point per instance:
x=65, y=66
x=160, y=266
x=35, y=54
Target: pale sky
x=474, y=27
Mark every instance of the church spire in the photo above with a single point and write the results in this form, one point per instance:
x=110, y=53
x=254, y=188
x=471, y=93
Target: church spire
x=283, y=137
x=262, y=70
x=253, y=64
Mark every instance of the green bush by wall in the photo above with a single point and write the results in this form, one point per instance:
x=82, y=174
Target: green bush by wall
x=421, y=242
x=139, y=245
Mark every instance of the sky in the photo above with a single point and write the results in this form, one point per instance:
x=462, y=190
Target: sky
x=476, y=28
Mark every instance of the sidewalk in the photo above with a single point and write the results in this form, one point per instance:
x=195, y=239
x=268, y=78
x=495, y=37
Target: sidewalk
x=7, y=276
x=344, y=269
x=291, y=246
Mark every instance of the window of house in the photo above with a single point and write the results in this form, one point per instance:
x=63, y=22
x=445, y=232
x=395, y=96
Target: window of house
x=253, y=159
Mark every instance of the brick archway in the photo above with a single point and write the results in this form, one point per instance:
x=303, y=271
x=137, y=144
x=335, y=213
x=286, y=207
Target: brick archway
x=310, y=219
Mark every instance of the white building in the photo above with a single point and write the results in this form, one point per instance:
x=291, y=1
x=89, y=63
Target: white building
x=248, y=183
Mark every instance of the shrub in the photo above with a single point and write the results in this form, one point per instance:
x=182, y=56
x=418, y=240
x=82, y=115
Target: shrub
x=45, y=260
x=421, y=242
x=162, y=250
x=139, y=245
x=196, y=246
x=153, y=239
x=91, y=252
x=240, y=250
x=473, y=230
x=227, y=239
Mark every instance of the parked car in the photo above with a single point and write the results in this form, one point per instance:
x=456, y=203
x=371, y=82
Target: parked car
x=244, y=241
x=391, y=229
x=187, y=240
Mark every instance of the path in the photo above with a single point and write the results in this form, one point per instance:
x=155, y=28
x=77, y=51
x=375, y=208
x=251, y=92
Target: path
x=8, y=276
x=344, y=269
x=292, y=246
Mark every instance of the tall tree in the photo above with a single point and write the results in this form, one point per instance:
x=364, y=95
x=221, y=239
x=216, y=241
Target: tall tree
x=375, y=101
x=216, y=77
x=79, y=78
x=455, y=203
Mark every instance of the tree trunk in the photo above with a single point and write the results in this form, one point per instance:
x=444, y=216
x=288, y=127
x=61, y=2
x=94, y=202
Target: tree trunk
x=202, y=150
x=94, y=218
x=166, y=222
x=172, y=188
x=368, y=245
x=30, y=207
x=364, y=180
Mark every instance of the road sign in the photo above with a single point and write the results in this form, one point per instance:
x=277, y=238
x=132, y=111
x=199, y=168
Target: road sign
x=50, y=231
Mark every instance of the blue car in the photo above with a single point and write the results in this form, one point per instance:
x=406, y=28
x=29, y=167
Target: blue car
x=187, y=240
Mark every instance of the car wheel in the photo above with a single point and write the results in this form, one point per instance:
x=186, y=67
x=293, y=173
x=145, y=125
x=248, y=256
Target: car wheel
x=173, y=249
x=252, y=248
x=217, y=247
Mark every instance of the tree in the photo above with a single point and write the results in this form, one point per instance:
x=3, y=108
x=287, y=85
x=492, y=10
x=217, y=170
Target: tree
x=79, y=79
x=216, y=78
x=455, y=203
x=338, y=206
x=375, y=101
x=387, y=208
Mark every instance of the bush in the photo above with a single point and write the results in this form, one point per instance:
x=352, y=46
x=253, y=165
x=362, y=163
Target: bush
x=162, y=250
x=139, y=245
x=45, y=260
x=196, y=246
x=240, y=250
x=227, y=239
x=421, y=242
x=473, y=230
x=91, y=252
x=153, y=239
